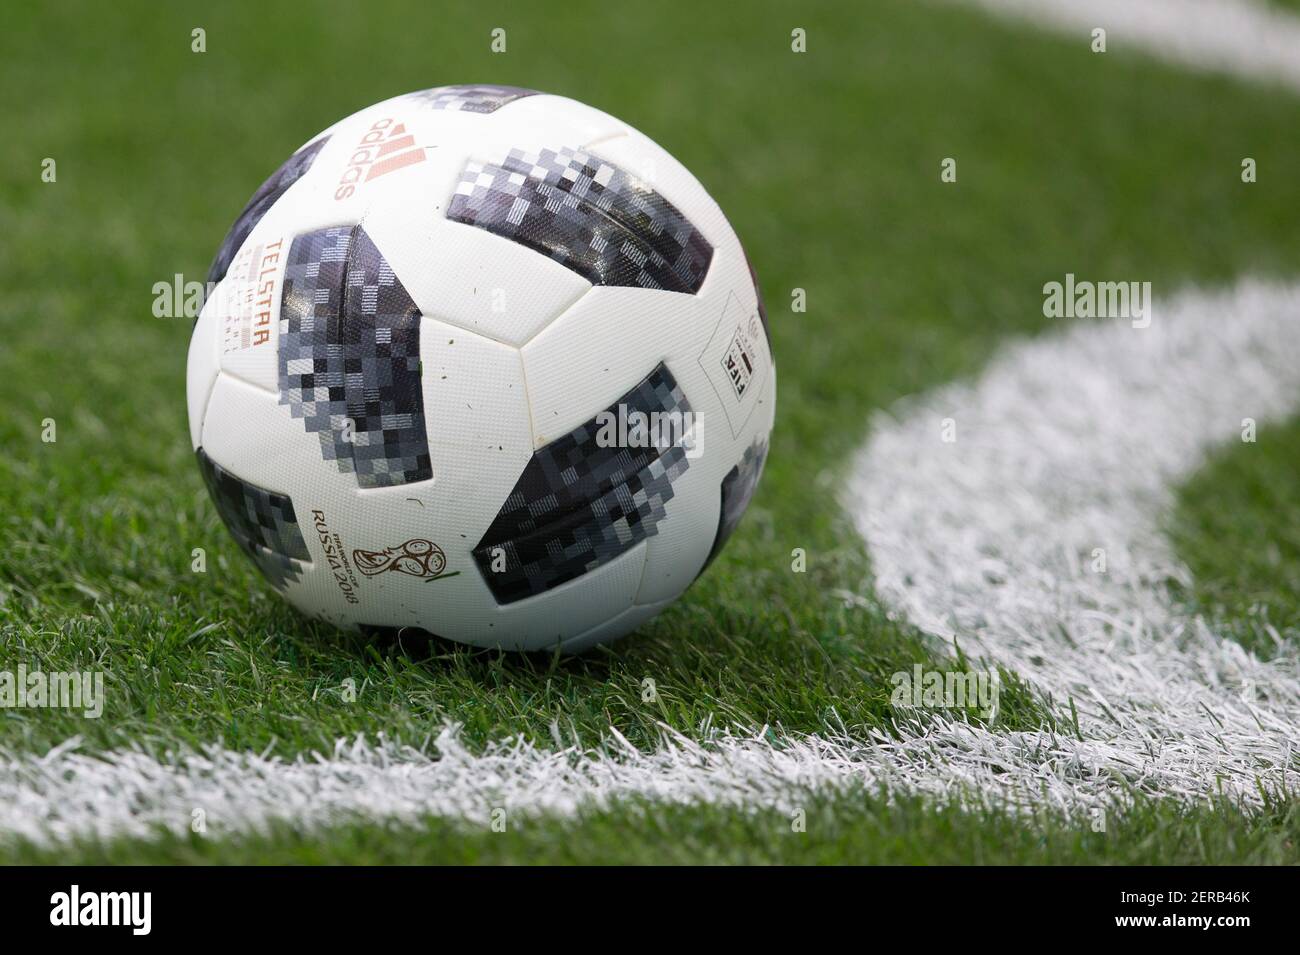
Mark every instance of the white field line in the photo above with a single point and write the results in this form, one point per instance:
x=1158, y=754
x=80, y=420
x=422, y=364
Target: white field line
x=1065, y=444
x=66, y=795
x=1246, y=38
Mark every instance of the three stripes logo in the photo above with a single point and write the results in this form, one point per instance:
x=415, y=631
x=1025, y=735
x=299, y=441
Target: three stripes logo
x=386, y=147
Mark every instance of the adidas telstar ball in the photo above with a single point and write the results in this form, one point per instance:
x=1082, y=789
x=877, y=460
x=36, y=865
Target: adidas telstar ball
x=483, y=362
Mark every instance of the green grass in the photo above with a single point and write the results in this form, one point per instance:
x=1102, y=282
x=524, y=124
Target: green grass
x=1237, y=526
x=828, y=166
x=859, y=828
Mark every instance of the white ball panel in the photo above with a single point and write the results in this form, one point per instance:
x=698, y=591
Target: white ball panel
x=469, y=277
x=605, y=344
x=737, y=346
x=372, y=156
x=546, y=120
x=250, y=434
x=610, y=630
x=476, y=415
x=201, y=368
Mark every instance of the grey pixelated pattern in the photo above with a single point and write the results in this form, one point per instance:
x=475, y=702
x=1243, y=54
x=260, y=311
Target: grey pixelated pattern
x=737, y=488
x=263, y=523
x=294, y=168
x=484, y=98
x=350, y=349
x=588, y=215
x=579, y=504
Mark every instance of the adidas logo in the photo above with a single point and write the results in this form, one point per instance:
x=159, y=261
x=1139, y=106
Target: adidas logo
x=386, y=147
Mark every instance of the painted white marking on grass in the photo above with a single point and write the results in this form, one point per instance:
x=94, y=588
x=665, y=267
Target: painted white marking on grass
x=66, y=795
x=1248, y=39
x=1064, y=445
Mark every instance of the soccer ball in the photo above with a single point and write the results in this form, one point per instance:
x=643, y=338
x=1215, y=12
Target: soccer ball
x=484, y=362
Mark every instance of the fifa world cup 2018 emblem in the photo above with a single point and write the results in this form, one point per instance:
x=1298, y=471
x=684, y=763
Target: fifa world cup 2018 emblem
x=417, y=557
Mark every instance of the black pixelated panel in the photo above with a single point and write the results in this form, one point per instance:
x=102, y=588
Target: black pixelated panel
x=294, y=168
x=350, y=349
x=484, y=98
x=582, y=501
x=588, y=215
x=737, y=488
x=262, y=522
